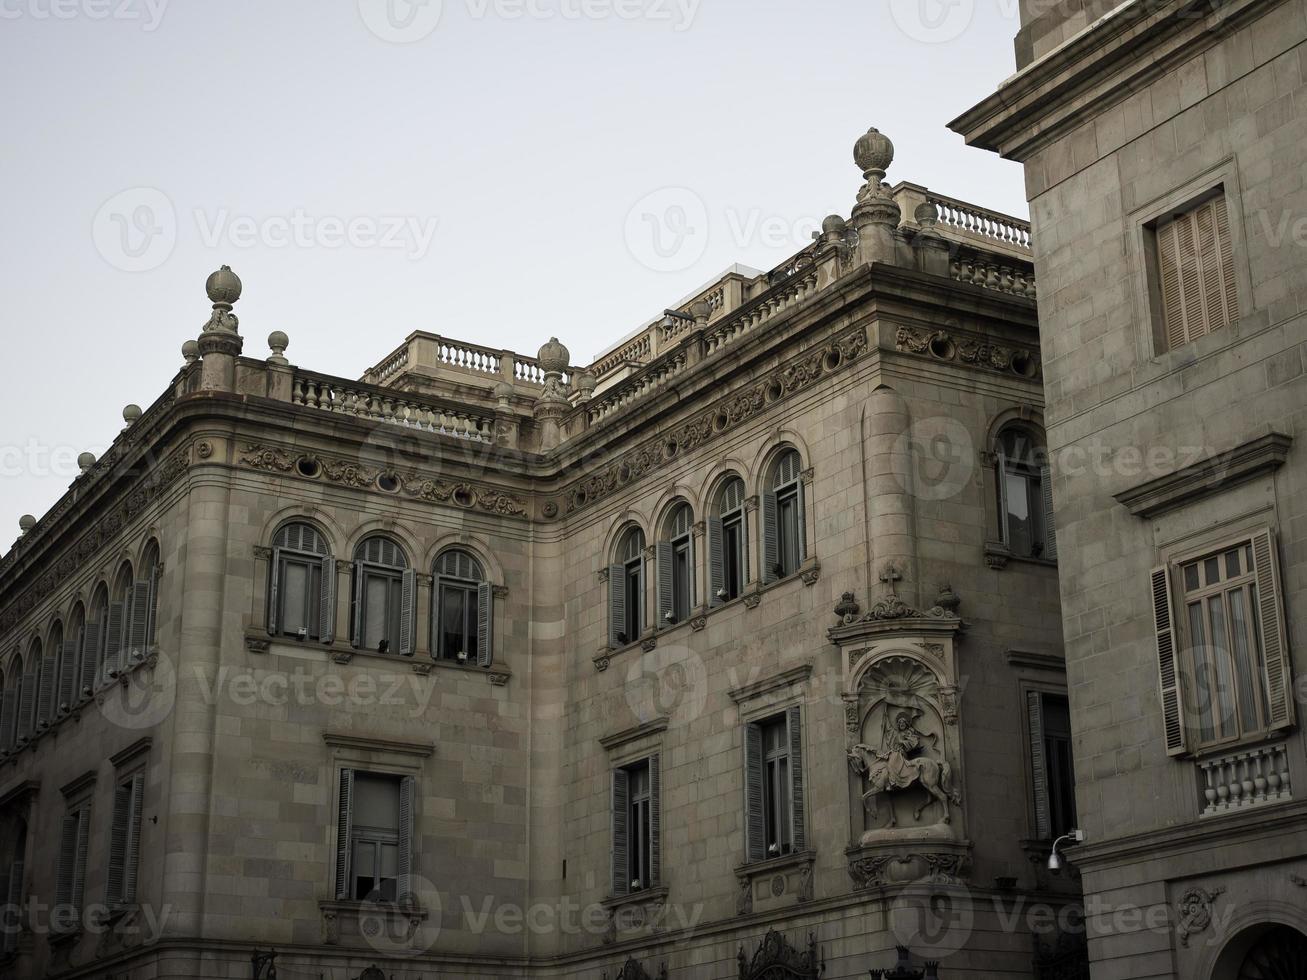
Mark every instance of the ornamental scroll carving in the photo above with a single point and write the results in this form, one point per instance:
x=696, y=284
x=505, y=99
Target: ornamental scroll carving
x=351, y=473
x=718, y=420
x=777, y=959
x=944, y=345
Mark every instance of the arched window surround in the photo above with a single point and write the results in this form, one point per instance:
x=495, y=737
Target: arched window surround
x=626, y=593
x=462, y=608
x=301, y=600
x=383, y=609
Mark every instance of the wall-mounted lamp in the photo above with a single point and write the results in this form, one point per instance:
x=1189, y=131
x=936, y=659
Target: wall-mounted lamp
x=1055, y=859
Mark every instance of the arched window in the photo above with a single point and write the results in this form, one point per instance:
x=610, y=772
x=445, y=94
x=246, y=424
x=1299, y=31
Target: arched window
x=302, y=585
x=728, y=554
x=53, y=699
x=144, y=609
x=675, y=554
x=70, y=674
x=12, y=705
x=383, y=613
x=626, y=589
x=30, y=716
x=115, y=637
x=462, y=612
x=784, y=545
x=1025, y=495
x=97, y=632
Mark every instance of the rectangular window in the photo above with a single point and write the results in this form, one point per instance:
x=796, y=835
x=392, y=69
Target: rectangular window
x=125, y=840
x=1194, y=257
x=1049, y=719
x=636, y=810
x=374, y=844
x=70, y=883
x=1231, y=682
x=773, y=749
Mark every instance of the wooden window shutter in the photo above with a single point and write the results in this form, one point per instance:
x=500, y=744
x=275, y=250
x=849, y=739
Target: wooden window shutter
x=800, y=509
x=1196, y=266
x=485, y=624
x=716, y=560
x=138, y=622
x=132, y=859
x=63, y=892
x=1000, y=474
x=408, y=612
x=1225, y=254
x=91, y=641
x=68, y=675
x=754, y=819
x=26, y=704
x=79, y=862
x=274, y=593
x=655, y=823
x=344, y=827
x=770, y=536
x=617, y=607
x=1173, y=721
x=113, y=642
x=664, y=552
x=1274, y=638
x=357, y=607
x=1168, y=264
x=1050, y=524
x=8, y=713
x=327, y=602
x=122, y=809
x=45, y=703
x=152, y=623
x=404, y=892
x=621, y=863
x=1038, y=764
x=798, y=823
x=11, y=889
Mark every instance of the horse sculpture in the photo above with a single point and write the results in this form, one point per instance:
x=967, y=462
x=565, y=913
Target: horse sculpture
x=896, y=767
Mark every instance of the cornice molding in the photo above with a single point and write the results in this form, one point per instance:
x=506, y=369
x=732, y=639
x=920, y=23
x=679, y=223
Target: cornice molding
x=369, y=744
x=1208, y=477
x=18, y=793
x=777, y=682
x=1035, y=661
x=140, y=747
x=78, y=785
x=629, y=735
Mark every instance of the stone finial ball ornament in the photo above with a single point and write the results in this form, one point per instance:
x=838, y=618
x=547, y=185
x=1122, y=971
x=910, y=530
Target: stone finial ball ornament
x=224, y=286
x=833, y=224
x=278, y=341
x=190, y=351
x=927, y=214
x=503, y=391
x=85, y=461
x=131, y=413
x=873, y=152
x=26, y=523
x=554, y=357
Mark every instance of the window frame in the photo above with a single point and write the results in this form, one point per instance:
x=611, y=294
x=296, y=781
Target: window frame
x=676, y=571
x=399, y=582
x=478, y=610
x=784, y=515
x=1040, y=771
x=406, y=836
x=626, y=588
x=728, y=543
x=761, y=833
x=636, y=858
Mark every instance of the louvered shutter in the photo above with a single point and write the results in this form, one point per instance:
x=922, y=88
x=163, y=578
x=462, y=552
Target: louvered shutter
x=1038, y=764
x=755, y=821
x=485, y=624
x=357, y=607
x=68, y=676
x=405, y=884
x=79, y=863
x=122, y=811
x=26, y=703
x=655, y=823
x=63, y=892
x=8, y=716
x=1173, y=720
x=665, y=603
x=138, y=622
x=132, y=859
x=344, y=827
x=92, y=639
x=1190, y=278
x=716, y=560
x=152, y=622
x=327, y=602
x=621, y=865
x=1225, y=254
x=801, y=512
x=770, y=536
x=642, y=594
x=274, y=593
x=436, y=652
x=794, y=723
x=113, y=641
x=1274, y=638
x=1050, y=523
x=1168, y=261
x=408, y=612
x=11, y=888
x=45, y=703
x=1000, y=474
x=617, y=607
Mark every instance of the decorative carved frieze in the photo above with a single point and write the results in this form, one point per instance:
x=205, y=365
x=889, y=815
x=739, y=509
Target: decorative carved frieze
x=351, y=473
x=776, y=957
x=1195, y=911
x=718, y=420
x=939, y=863
x=944, y=345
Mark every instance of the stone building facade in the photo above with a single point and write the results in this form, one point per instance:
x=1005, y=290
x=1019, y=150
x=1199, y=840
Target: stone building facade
x=1163, y=146
x=737, y=650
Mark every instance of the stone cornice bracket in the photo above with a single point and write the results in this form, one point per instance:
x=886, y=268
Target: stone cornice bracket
x=1207, y=477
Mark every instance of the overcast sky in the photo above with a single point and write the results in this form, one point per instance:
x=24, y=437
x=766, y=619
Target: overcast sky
x=494, y=170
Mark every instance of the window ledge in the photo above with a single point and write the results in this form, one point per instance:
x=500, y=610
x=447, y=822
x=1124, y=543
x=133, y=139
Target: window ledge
x=773, y=864
x=998, y=555
x=351, y=911
x=644, y=896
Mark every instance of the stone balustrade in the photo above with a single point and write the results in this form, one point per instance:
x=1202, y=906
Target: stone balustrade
x=986, y=272
x=1249, y=777
x=643, y=382
x=981, y=222
x=390, y=407
x=637, y=351
x=797, y=286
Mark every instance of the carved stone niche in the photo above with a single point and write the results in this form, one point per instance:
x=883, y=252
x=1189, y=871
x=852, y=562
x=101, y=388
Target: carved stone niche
x=902, y=703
